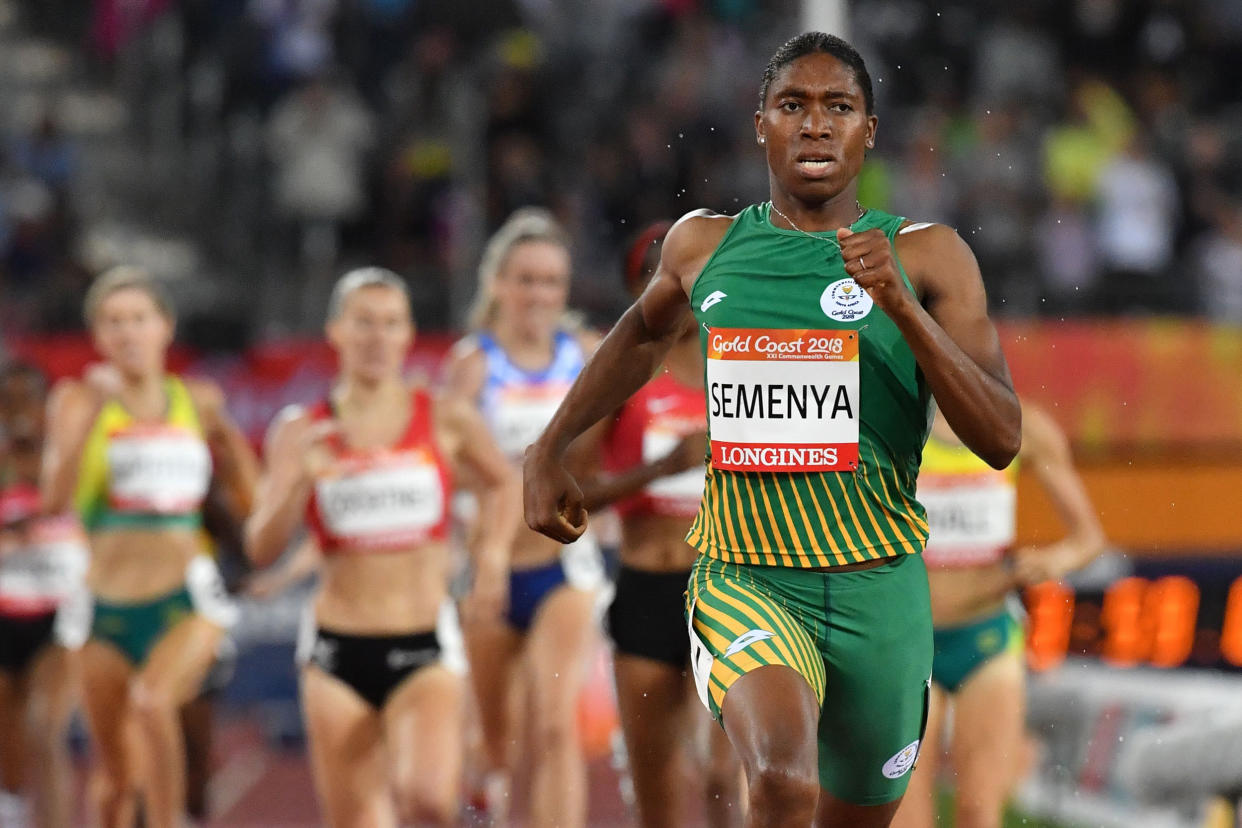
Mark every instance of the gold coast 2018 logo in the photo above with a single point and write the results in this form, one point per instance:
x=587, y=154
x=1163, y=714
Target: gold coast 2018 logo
x=845, y=301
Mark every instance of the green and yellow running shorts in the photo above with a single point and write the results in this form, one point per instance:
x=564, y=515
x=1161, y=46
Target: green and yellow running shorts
x=862, y=640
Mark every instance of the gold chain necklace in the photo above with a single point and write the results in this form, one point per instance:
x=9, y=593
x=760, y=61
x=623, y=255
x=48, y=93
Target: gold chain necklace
x=831, y=240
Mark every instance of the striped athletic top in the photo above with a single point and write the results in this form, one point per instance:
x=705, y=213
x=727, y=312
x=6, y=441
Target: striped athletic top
x=817, y=410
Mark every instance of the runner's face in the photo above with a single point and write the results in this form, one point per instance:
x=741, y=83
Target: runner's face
x=132, y=333
x=21, y=400
x=815, y=127
x=532, y=287
x=373, y=333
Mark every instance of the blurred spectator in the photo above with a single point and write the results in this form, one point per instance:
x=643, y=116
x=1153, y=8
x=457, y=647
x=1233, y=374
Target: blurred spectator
x=1010, y=123
x=922, y=187
x=318, y=138
x=518, y=129
x=1018, y=59
x=47, y=155
x=1067, y=258
x=1138, y=214
x=1075, y=152
x=1218, y=254
x=1001, y=180
x=298, y=39
x=117, y=22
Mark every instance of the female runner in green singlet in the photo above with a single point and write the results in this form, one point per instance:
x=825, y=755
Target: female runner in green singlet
x=826, y=328
x=133, y=448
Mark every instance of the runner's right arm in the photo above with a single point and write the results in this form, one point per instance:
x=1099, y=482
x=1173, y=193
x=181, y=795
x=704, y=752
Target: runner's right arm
x=622, y=364
x=1046, y=450
x=71, y=410
x=285, y=486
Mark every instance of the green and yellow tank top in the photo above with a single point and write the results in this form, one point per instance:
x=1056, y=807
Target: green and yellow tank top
x=144, y=475
x=817, y=410
x=971, y=507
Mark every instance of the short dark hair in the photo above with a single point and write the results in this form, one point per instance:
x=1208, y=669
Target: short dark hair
x=810, y=43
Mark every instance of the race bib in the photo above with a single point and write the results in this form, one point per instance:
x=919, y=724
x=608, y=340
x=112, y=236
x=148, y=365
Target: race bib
x=157, y=470
x=684, y=488
x=381, y=501
x=522, y=413
x=38, y=577
x=972, y=518
x=783, y=400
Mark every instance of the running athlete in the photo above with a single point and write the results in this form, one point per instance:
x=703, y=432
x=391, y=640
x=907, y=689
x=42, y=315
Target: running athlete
x=370, y=469
x=826, y=328
x=972, y=566
x=134, y=448
x=516, y=367
x=42, y=562
x=655, y=453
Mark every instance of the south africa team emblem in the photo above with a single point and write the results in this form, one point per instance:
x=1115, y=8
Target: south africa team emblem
x=845, y=301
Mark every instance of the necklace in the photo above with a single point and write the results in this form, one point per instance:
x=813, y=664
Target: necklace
x=831, y=241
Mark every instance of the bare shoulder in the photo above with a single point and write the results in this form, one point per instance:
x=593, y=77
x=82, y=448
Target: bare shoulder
x=690, y=243
x=465, y=367
x=70, y=393
x=288, y=425
x=206, y=395
x=918, y=241
x=932, y=252
x=694, y=233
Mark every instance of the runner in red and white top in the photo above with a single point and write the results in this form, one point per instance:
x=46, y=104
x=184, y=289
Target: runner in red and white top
x=654, y=454
x=43, y=561
x=370, y=471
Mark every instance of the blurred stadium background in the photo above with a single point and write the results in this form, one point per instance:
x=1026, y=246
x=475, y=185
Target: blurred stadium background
x=247, y=151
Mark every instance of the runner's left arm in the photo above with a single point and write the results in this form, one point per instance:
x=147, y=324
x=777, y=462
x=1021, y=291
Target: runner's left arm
x=947, y=328
x=499, y=492
x=1046, y=450
x=235, y=462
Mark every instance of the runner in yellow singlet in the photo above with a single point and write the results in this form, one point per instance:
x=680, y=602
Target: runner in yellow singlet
x=134, y=448
x=977, y=670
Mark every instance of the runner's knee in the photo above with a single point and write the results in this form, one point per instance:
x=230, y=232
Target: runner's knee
x=786, y=789
x=553, y=734
x=151, y=704
x=422, y=803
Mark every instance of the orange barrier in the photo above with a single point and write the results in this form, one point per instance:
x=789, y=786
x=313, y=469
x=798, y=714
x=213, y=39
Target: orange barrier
x=1149, y=384
x=1153, y=507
